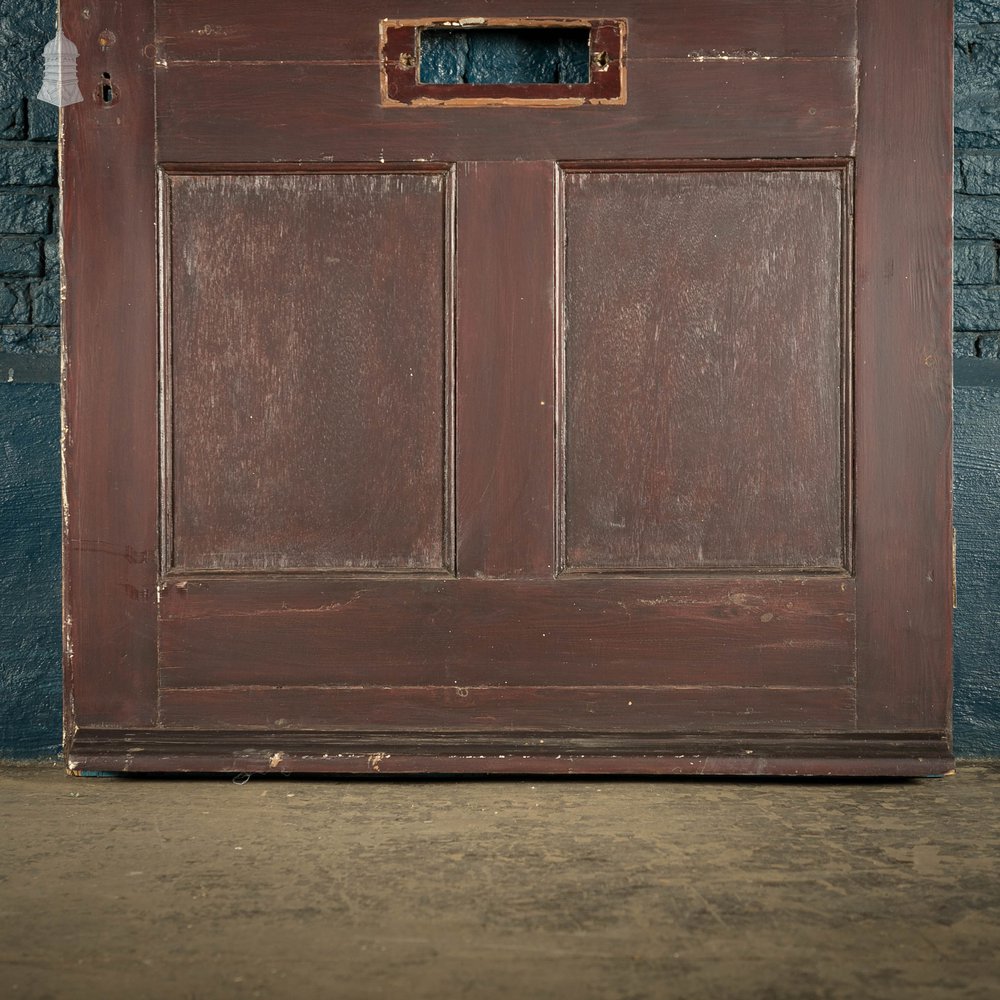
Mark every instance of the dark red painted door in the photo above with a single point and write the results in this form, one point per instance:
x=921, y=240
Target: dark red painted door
x=566, y=427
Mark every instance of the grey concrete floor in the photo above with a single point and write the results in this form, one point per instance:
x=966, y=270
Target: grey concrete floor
x=205, y=888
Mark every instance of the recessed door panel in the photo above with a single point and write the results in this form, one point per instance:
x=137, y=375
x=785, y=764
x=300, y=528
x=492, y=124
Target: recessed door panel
x=307, y=348
x=705, y=369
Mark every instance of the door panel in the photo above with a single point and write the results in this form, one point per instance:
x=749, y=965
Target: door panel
x=705, y=369
x=745, y=632
x=309, y=345
x=509, y=438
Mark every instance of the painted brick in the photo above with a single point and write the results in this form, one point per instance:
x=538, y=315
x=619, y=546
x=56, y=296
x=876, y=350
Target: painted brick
x=28, y=339
x=43, y=120
x=977, y=86
x=988, y=345
x=25, y=26
x=51, y=253
x=976, y=11
x=14, y=303
x=977, y=217
x=964, y=345
x=12, y=121
x=977, y=514
x=28, y=164
x=502, y=56
x=980, y=173
x=24, y=212
x=977, y=307
x=30, y=676
x=20, y=256
x=976, y=263
x=45, y=303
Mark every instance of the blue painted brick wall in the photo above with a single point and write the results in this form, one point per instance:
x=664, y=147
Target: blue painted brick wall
x=29, y=251
x=977, y=376
x=977, y=178
x=29, y=320
x=30, y=673
x=30, y=679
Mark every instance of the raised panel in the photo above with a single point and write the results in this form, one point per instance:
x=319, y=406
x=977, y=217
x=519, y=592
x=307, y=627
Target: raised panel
x=705, y=360
x=308, y=371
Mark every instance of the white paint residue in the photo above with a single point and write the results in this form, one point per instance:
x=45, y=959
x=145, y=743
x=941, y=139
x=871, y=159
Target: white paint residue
x=748, y=55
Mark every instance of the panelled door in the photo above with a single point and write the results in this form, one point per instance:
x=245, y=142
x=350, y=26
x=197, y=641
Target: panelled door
x=591, y=421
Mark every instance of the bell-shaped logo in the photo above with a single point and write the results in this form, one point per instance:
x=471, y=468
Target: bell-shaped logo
x=59, y=83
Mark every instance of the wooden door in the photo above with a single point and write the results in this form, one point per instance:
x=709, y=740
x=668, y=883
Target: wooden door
x=595, y=426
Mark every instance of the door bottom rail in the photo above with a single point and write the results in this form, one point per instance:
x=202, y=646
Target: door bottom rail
x=832, y=755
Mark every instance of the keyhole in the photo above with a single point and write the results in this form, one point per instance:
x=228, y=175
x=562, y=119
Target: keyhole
x=107, y=91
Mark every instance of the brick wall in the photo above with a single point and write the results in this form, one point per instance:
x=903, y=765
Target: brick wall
x=30, y=677
x=977, y=178
x=977, y=376
x=29, y=249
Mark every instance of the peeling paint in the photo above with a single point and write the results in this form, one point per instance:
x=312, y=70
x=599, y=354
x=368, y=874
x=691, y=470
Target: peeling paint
x=737, y=55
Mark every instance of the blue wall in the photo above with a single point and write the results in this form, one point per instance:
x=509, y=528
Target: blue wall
x=977, y=376
x=30, y=670
x=30, y=685
x=977, y=526
x=29, y=420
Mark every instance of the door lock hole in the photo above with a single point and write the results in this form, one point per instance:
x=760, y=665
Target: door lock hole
x=107, y=92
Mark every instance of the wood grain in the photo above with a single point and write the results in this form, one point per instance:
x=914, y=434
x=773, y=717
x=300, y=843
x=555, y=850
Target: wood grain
x=283, y=751
x=687, y=108
x=511, y=708
x=505, y=408
x=372, y=765
x=311, y=261
x=739, y=631
x=301, y=30
x=705, y=348
x=904, y=309
x=309, y=379
x=109, y=339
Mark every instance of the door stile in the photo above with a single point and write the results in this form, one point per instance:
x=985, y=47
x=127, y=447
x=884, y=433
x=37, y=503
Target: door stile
x=110, y=427
x=903, y=367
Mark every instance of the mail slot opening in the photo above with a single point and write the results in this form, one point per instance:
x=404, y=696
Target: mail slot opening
x=504, y=56
x=537, y=62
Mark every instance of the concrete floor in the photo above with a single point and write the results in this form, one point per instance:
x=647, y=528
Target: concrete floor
x=195, y=889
